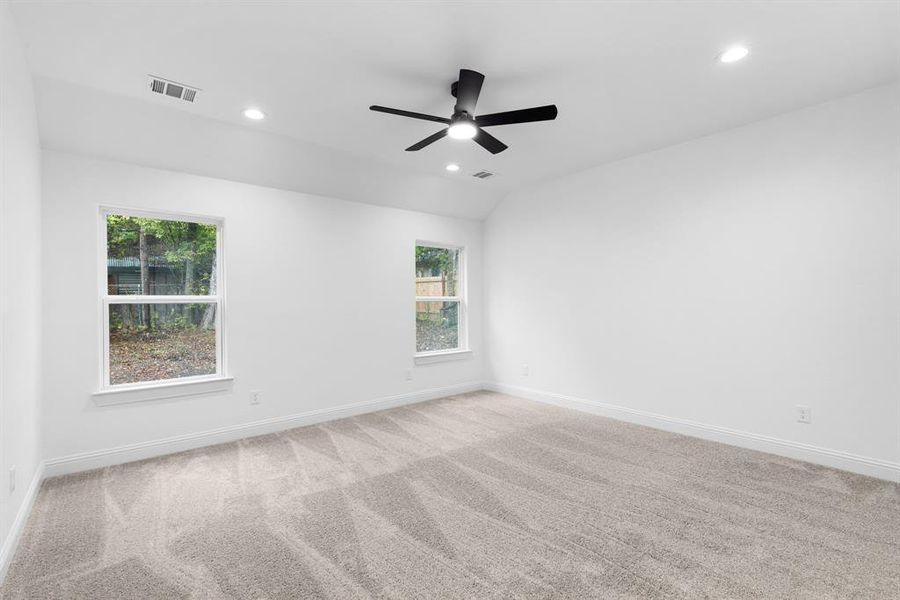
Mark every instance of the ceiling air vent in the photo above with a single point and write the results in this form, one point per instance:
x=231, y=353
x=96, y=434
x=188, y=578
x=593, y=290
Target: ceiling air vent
x=482, y=174
x=165, y=87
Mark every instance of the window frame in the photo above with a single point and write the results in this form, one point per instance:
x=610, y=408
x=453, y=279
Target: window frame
x=462, y=290
x=106, y=300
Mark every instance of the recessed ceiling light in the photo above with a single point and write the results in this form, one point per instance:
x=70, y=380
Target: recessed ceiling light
x=734, y=54
x=452, y=167
x=255, y=114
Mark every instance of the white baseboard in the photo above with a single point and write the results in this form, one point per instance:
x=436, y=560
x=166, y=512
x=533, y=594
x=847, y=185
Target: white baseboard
x=113, y=456
x=18, y=525
x=863, y=465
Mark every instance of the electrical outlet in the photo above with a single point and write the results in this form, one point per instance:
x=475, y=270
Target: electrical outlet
x=255, y=397
x=524, y=370
x=12, y=479
x=804, y=414
x=409, y=374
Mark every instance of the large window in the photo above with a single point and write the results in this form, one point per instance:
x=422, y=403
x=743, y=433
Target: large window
x=161, y=299
x=440, y=299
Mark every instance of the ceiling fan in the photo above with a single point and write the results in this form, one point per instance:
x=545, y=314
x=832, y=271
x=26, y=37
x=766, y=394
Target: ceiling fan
x=464, y=125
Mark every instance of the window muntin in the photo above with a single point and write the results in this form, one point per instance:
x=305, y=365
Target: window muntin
x=440, y=302
x=161, y=299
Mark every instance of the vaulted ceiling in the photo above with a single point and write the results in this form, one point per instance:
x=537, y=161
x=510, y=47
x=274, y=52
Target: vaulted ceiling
x=627, y=77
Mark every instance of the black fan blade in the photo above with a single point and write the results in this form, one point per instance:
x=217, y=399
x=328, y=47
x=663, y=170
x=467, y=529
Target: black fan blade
x=406, y=113
x=429, y=140
x=467, y=90
x=489, y=142
x=525, y=115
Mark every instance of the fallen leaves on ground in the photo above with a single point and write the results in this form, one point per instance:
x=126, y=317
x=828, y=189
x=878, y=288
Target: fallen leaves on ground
x=163, y=354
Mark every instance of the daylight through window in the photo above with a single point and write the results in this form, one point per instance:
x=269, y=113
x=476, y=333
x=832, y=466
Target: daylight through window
x=161, y=299
x=440, y=304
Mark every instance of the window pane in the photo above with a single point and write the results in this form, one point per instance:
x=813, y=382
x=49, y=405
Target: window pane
x=437, y=271
x=437, y=326
x=150, y=342
x=159, y=257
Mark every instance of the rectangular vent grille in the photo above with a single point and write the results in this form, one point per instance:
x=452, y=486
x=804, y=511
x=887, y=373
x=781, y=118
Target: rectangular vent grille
x=172, y=89
x=482, y=174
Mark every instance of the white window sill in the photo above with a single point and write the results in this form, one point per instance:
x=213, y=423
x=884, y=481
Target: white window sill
x=427, y=358
x=161, y=391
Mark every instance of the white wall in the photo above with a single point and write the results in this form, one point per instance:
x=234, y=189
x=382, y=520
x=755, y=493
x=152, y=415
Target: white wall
x=722, y=281
x=20, y=283
x=299, y=327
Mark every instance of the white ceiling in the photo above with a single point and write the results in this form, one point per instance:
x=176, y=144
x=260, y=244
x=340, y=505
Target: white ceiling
x=627, y=77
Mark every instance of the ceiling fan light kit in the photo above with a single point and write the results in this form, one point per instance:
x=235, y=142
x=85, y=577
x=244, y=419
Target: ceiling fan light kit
x=462, y=128
x=464, y=124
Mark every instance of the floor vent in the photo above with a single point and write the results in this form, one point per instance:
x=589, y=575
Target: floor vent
x=482, y=174
x=165, y=87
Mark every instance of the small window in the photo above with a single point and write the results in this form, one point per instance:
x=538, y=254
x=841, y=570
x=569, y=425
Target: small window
x=440, y=301
x=161, y=299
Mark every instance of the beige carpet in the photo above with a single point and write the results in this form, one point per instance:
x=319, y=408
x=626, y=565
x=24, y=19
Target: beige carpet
x=476, y=496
